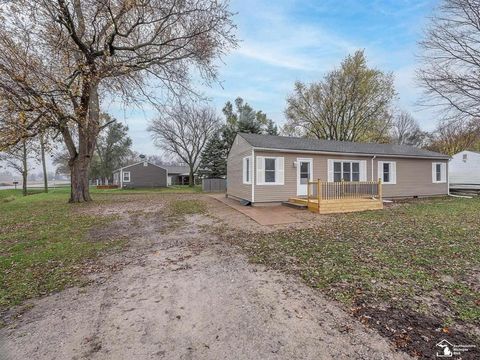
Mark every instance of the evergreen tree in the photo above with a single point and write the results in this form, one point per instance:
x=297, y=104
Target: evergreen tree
x=272, y=129
x=214, y=156
x=241, y=119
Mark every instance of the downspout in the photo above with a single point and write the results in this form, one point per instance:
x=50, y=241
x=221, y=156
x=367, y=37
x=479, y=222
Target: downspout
x=373, y=158
x=253, y=174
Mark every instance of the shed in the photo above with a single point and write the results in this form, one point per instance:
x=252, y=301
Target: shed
x=465, y=168
x=141, y=175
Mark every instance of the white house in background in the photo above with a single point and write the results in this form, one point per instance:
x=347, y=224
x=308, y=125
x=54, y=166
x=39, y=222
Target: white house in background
x=464, y=168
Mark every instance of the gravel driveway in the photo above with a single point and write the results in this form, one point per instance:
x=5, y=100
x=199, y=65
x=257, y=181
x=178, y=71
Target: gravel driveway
x=180, y=293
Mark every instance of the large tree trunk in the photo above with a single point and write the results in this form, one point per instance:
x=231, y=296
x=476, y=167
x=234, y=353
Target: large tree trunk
x=44, y=165
x=80, y=159
x=79, y=191
x=191, y=180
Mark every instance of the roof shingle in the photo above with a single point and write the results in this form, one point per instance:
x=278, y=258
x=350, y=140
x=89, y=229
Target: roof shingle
x=305, y=144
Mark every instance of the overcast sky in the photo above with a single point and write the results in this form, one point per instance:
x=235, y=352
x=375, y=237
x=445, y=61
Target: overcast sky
x=283, y=41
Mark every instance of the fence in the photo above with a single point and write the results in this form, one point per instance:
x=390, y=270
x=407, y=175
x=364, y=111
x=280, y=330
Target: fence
x=321, y=190
x=214, y=185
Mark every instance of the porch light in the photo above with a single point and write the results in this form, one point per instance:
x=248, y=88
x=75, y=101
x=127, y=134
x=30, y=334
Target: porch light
x=294, y=164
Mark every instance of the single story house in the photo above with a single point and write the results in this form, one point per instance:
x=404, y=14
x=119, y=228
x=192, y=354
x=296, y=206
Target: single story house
x=264, y=169
x=178, y=175
x=465, y=169
x=142, y=174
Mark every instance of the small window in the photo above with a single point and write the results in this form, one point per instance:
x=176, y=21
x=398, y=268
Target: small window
x=145, y=164
x=247, y=170
x=126, y=176
x=346, y=171
x=269, y=170
x=439, y=172
x=387, y=172
x=465, y=157
x=355, y=171
x=337, y=171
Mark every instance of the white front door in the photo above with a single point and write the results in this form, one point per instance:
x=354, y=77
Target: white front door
x=304, y=175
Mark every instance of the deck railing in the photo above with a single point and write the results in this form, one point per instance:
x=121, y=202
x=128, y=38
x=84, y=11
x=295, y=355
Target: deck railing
x=323, y=190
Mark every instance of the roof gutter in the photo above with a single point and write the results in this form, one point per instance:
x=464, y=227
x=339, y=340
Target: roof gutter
x=350, y=154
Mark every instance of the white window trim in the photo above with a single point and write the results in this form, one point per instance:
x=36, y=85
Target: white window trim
x=393, y=172
x=443, y=173
x=123, y=176
x=362, y=168
x=279, y=170
x=244, y=170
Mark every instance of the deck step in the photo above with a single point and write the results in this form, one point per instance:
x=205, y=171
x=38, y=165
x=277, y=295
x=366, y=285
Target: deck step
x=296, y=200
x=295, y=205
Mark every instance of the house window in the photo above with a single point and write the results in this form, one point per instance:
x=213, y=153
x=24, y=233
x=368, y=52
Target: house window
x=346, y=171
x=387, y=172
x=439, y=172
x=126, y=176
x=465, y=157
x=270, y=170
x=247, y=170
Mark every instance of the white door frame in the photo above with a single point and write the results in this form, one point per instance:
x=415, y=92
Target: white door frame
x=302, y=190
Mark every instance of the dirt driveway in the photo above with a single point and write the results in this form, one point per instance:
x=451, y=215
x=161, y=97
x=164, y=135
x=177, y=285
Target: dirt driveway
x=180, y=293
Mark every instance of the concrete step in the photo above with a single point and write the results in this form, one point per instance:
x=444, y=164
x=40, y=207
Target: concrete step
x=295, y=205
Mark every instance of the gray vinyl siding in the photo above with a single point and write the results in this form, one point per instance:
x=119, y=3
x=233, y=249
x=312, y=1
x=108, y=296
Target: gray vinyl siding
x=235, y=185
x=414, y=176
x=146, y=176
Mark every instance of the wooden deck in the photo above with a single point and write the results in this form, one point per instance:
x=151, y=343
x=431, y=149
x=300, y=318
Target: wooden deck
x=339, y=205
x=340, y=197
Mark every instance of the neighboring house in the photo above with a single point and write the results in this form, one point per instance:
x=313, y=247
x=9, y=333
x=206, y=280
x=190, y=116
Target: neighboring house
x=465, y=168
x=178, y=175
x=142, y=174
x=270, y=169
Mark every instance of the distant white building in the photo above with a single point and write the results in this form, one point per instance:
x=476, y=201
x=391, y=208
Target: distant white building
x=464, y=168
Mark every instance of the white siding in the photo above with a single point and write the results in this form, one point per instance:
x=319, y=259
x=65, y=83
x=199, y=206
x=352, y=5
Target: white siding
x=465, y=171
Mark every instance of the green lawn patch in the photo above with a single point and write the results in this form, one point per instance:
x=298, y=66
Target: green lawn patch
x=43, y=243
x=422, y=257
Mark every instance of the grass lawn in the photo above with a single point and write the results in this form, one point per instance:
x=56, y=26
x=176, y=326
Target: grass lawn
x=420, y=259
x=44, y=242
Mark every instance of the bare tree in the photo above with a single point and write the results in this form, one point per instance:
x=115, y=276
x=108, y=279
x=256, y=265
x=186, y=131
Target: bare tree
x=406, y=131
x=60, y=58
x=17, y=159
x=352, y=103
x=453, y=136
x=451, y=59
x=183, y=131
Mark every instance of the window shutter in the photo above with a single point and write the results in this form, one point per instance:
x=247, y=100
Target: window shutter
x=379, y=170
x=260, y=170
x=363, y=170
x=330, y=170
x=444, y=172
x=393, y=172
x=279, y=170
x=434, y=175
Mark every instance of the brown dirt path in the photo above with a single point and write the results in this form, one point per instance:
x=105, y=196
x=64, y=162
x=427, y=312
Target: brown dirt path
x=181, y=294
